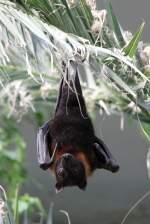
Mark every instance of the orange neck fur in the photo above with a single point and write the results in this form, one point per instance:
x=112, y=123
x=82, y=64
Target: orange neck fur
x=78, y=154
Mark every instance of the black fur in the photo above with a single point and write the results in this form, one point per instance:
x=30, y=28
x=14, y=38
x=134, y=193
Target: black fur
x=72, y=128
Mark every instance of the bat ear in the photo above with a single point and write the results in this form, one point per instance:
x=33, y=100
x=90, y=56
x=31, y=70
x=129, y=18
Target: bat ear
x=43, y=146
x=104, y=158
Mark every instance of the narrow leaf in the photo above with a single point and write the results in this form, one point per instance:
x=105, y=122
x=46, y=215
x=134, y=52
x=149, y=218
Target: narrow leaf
x=98, y=51
x=115, y=25
x=119, y=82
x=131, y=48
x=50, y=214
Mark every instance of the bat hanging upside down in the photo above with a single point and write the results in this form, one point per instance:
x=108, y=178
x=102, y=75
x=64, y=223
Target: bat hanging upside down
x=67, y=143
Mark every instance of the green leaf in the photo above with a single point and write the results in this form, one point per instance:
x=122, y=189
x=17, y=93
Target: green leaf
x=50, y=214
x=119, y=82
x=98, y=51
x=145, y=129
x=131, y=48
x=16, y=199
x=115, y=25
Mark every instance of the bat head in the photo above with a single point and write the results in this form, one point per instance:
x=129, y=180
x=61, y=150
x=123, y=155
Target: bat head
x=69, y=172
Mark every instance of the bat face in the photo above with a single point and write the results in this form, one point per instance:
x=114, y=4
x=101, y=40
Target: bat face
x=70, y=172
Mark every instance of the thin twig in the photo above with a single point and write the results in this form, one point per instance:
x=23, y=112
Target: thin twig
x=67, y=215
x=134, y=206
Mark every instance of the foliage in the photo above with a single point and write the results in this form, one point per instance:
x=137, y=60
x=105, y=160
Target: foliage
x=116, y=65
x=5, y=214
x=12, y=174
x=26, y=207
x=11, y=156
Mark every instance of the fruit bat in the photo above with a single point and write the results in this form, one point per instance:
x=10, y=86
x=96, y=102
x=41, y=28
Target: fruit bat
x=67, y=143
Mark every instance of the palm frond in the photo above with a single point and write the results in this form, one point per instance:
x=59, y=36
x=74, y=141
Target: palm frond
x=37, y=36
